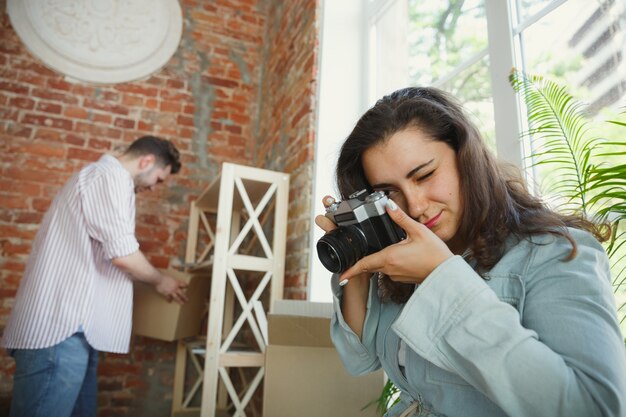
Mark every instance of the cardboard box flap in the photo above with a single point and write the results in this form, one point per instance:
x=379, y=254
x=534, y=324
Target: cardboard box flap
x=300, y=323
x=301, y=355
x=312, y=382
x=302, y=308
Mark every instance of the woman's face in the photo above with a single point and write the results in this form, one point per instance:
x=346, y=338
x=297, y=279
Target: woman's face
x=421, y=176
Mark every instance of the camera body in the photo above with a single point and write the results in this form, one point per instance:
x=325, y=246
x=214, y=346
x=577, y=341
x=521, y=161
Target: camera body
x=364, y=227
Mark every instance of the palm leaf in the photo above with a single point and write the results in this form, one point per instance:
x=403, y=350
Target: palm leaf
x=559, y=134
x=388, y=398
x=611, y=180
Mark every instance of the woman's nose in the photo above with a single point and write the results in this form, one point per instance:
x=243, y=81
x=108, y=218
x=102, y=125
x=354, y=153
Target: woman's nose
x=416, y=204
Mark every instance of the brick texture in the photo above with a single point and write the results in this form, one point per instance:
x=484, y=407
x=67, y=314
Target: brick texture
x=240, y=88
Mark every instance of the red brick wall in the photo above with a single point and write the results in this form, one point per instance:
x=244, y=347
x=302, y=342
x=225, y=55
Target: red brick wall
x=287, y=121
x=240, y=88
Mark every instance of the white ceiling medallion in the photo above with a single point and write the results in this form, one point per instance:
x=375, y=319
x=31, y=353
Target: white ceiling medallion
x=99, y=41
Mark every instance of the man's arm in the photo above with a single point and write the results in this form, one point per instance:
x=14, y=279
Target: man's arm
x=140, y=269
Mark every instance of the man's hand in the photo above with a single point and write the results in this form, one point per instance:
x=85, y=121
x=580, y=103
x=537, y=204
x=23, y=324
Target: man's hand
x=139, y=269
x=172, y=289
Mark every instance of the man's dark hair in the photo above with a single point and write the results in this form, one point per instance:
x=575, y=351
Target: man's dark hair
x=164, y=151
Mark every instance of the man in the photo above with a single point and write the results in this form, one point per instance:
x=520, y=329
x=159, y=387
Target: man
x=75, y=297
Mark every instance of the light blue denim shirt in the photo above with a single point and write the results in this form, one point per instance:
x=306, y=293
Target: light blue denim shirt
x=538, y=337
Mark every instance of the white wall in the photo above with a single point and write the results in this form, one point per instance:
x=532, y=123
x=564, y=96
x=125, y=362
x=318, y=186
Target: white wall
x=342, y=100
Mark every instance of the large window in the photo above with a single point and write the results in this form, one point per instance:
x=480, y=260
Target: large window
x=468, y=48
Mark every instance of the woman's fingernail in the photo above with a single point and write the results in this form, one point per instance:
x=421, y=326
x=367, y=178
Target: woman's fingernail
x=329, y=200
x=391, y=204
x=342, y=283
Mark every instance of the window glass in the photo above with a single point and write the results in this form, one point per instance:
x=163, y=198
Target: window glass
x=473, y=89
x=580, y=44
x=442, y=35
x=389, y=47
x=528, y=8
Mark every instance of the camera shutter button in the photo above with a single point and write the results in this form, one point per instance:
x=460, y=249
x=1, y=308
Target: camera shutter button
x=375, y=196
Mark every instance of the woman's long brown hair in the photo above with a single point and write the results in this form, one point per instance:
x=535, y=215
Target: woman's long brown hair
x=496, y=201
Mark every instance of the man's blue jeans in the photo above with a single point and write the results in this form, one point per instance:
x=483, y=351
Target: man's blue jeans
x=58, y=381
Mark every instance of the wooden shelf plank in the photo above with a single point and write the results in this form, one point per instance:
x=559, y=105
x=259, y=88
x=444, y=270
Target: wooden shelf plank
x=242, y=359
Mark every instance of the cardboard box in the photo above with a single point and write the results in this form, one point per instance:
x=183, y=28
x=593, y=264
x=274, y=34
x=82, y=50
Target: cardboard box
x=154, y=317
x=304, y=376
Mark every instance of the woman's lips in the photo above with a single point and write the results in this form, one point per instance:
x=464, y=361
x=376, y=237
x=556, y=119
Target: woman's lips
x=433, y=221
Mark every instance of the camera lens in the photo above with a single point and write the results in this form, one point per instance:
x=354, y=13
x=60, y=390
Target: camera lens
x=339, y=249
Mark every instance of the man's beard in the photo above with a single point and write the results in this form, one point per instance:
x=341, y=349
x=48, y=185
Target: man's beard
x=140, y=182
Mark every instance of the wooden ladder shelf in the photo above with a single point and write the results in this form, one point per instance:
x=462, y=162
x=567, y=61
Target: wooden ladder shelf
x=246, y=251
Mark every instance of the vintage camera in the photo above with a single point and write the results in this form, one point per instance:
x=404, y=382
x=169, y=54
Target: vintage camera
x=364, y=228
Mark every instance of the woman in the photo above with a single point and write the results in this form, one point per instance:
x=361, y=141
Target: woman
x=493, y=305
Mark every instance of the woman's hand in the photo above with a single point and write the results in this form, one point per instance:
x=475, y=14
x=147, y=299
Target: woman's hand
x=322, y=221
x=410, y=260
x=354, y=299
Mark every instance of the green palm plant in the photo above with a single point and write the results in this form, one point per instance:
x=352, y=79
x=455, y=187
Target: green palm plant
x=582, y=169
x=560, y=138
x=388, y=398
x=612, y=201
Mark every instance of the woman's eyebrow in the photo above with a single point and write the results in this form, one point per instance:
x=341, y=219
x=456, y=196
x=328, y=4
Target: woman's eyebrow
x=381, y=186
x=409, y=175
x=418, y=168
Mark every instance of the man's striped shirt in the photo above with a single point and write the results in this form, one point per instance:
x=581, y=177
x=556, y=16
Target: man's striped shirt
x=69, y=281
